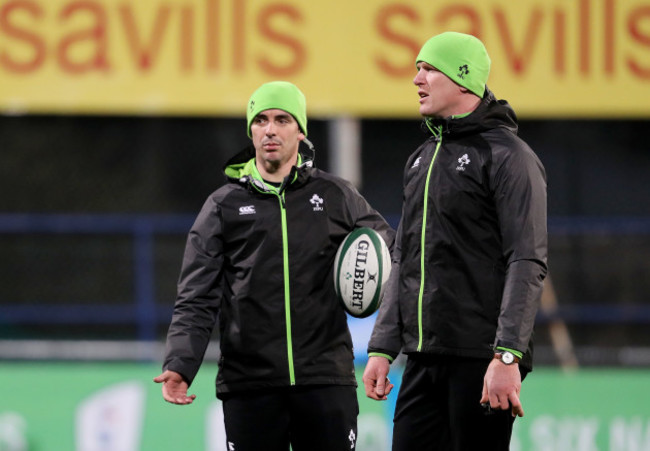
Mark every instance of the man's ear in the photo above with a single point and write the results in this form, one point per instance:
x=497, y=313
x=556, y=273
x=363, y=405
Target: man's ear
x=301, y=136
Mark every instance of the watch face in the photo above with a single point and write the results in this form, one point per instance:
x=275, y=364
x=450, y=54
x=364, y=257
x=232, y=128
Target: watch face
x=507, y=358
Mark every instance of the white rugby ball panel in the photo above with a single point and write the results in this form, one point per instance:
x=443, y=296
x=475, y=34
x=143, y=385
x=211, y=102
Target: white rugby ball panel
x=361, y=269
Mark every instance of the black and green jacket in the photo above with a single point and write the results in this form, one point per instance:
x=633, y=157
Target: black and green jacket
x=259, y=262
x=471, y=248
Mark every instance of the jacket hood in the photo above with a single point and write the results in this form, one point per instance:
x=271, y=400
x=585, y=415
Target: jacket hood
x=491, y=113
x=241, y=167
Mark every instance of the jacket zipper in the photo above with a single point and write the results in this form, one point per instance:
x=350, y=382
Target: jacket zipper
x=438, y=138
x=287, y=293
x=285, y=264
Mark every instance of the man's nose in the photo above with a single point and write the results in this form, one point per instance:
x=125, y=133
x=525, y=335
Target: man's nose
x=417, y=79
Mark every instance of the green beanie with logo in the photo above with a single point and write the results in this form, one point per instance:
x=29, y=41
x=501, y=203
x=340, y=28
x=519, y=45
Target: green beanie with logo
x=461, y=57
x=282, y=95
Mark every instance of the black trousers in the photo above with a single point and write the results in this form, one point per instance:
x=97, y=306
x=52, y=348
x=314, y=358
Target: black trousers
x=438, y=407
x=310, y=418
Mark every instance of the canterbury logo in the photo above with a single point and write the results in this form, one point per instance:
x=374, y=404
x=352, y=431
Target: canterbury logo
x=247, y=210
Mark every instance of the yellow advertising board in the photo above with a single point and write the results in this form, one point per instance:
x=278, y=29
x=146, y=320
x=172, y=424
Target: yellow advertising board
x=551, y=58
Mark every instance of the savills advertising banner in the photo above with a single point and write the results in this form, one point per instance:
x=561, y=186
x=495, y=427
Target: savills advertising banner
x=551, y=58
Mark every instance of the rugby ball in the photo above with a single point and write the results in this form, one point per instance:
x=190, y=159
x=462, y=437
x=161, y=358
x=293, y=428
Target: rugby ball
x=361, y=269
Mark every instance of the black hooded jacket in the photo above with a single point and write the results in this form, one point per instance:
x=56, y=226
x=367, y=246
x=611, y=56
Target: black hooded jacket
x=259, y=262
x=482, y=225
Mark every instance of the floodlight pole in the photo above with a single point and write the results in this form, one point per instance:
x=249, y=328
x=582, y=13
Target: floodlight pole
x=344, y=135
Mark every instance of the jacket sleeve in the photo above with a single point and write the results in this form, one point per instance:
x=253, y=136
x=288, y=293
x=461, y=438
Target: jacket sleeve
x=363, y=215
x=199, y=295
x=386, y=334
x=520, y=197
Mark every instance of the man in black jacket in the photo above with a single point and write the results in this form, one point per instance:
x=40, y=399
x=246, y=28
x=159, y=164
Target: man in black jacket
x=259, y=261
x=468, y=265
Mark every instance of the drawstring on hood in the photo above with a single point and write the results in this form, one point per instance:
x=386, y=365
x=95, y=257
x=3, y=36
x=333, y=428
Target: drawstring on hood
x=436, y=130
x=309, y=162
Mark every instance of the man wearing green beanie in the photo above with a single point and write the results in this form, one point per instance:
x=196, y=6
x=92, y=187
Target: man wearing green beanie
x=258, y=263
x=471, y=255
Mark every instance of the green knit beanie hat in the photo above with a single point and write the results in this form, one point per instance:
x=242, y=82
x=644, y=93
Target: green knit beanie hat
x=282, y=95
x=461, y=57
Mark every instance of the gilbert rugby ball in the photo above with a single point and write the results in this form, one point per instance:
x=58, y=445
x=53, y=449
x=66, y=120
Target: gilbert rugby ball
x=361, y=269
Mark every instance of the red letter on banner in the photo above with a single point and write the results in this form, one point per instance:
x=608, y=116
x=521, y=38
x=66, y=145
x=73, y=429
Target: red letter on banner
x=13, y=31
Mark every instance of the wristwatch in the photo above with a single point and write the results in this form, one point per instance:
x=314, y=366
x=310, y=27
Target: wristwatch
x=506, y=357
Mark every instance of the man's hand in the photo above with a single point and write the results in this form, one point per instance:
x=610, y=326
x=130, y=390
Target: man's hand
x=375, y=378
x=174, y=388
x=501, y=387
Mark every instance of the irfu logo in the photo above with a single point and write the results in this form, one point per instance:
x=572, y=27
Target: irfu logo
x=462, y=71
x=464, y=160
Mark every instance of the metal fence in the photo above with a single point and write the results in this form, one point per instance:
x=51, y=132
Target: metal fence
x=133, y=291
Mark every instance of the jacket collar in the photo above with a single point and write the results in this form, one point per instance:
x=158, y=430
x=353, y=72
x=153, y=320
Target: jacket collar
x=490, y=113
x=241, y=168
